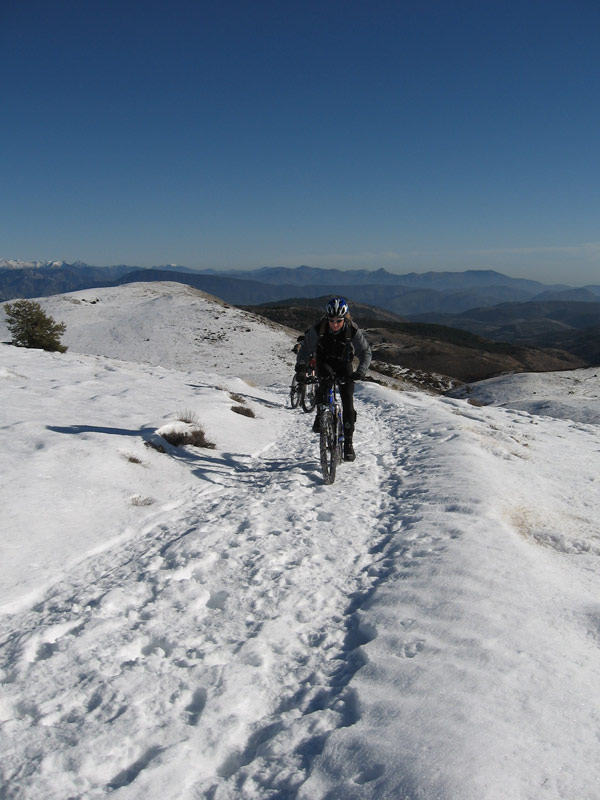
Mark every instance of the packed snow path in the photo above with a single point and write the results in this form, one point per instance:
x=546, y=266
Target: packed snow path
x=266, y=636
x=227, y=623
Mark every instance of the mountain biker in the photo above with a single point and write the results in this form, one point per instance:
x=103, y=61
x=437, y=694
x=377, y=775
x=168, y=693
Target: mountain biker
x=335, y=340
x=298, y=345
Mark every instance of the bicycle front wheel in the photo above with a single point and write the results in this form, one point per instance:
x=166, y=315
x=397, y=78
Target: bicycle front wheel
x=294, y=392
x=339, y=439
x=328, y=447
x=309, y=397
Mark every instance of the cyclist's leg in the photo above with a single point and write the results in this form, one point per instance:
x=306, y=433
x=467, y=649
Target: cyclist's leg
x=349, y=417
x=346, y=390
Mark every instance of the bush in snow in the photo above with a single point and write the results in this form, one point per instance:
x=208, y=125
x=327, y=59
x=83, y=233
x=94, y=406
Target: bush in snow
x=182, y=433
x=244, y=410
x=31, y=327
x=195, y=436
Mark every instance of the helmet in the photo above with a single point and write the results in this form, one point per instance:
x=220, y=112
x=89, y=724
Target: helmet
x=337, y=307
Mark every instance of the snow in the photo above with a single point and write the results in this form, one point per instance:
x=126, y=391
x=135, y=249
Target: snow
x=12, y=263
x=217, y=623
x=573, y=394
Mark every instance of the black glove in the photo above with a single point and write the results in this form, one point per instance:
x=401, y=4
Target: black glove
x=358, y=375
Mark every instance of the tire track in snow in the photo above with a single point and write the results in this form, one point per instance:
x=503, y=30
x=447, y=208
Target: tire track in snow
x=230, y=628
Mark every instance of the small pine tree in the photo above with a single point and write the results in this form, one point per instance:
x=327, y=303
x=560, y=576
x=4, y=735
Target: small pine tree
x=31, y=327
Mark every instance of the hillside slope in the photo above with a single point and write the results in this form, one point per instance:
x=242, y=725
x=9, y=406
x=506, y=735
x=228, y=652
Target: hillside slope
x=454, y=353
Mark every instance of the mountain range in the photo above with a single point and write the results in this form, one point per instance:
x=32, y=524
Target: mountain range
x=408, y=293
x=484, y=302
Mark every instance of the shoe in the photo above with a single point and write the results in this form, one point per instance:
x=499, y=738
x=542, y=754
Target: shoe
x=349, y=454
x=316, y=427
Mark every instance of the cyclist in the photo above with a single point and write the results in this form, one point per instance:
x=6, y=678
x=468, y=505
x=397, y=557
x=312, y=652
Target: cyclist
x=335, y=340
x=298, y=344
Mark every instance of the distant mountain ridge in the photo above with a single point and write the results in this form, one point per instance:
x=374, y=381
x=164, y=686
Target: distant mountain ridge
x=484, y=302
x=429, y=293
x=438, y=281
x=57, y=277
x=433, y=296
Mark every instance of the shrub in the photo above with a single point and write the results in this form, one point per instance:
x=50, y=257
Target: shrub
x=31, y=327
x=243, y=410
x=194, y=435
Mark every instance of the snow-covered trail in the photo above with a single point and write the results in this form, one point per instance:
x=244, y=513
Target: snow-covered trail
x=217, y=631
x=420, y=629
x=479, y=679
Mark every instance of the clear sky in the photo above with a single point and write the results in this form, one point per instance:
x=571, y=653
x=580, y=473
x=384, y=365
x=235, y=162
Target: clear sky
x=430, y=134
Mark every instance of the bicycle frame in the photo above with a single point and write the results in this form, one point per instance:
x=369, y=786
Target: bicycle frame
x=332, y=431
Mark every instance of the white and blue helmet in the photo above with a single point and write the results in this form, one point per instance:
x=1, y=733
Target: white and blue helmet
x=337, y=307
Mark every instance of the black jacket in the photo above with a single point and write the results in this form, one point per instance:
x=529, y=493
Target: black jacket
x=343, y=346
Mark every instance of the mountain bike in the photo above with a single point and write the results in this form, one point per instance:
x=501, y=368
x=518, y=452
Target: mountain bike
x=305, y=393
x=331, y=429
x=308, y=397
x=295, y=390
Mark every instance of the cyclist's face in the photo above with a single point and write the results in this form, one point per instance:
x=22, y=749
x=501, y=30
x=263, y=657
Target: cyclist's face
x=335, y=324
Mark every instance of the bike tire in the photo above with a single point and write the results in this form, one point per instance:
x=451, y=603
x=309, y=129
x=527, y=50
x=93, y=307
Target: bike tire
x=327, y=448
x=295, y=392
x=309, y=397
x=339, y=447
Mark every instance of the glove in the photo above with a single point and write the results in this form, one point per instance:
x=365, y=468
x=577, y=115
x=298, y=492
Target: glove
x=358, y=375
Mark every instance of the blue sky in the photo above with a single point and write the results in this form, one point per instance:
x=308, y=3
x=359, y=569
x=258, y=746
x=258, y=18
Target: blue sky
x=431, y=134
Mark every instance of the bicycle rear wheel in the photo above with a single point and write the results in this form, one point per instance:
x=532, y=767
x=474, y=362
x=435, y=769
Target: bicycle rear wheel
x=295, y=392
x=309, y=397
x=328, y=447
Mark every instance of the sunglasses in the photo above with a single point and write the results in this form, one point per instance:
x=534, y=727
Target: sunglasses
x=336, y=319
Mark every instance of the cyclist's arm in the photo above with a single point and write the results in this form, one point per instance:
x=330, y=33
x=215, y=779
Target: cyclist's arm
x=362, y=351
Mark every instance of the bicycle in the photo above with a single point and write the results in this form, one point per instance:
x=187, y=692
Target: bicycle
x=308, y=397
x=295, y=390
x=331, y=426
x=305, y=392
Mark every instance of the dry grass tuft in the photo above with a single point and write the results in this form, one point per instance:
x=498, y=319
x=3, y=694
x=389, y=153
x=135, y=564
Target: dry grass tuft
x=187, y=415
x=132, y=459
x=194, y=437
x=243, y=410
